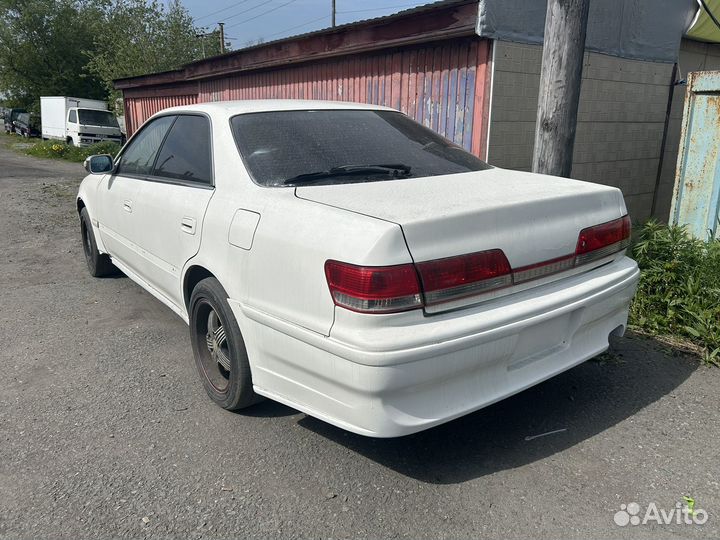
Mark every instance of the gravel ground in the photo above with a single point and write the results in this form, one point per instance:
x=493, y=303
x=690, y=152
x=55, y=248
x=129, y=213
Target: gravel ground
x=105, y=429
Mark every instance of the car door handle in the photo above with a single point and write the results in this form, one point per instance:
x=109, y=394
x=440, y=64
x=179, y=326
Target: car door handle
x=187, y=225
x=127, y=206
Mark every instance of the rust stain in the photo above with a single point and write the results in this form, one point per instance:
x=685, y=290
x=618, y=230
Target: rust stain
x=696, y=197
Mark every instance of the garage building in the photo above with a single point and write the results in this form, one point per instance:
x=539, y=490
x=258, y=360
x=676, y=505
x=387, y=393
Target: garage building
x=470, y=70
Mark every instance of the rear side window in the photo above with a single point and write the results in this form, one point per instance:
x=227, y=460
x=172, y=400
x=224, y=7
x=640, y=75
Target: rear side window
x=139, y=156
x=186, y=152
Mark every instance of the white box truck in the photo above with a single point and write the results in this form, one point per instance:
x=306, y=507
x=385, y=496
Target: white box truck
x=78, y=121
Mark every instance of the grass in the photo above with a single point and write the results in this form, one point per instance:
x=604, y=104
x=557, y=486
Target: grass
x=679, y=291
x=57, y=149
x=61, y=150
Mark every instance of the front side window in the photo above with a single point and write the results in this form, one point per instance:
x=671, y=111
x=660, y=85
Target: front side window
x=72, y=117
x=139, y=156
x=343, y=146
x=186, y=152
x=93, y=117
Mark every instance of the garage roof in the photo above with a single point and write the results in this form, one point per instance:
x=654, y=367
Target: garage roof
x=641, y=29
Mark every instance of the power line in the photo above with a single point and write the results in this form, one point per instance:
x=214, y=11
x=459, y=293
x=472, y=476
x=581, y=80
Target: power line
x=248, y=9
x=379, y=8
x=262, y=14
x=298, y=26
x=221, y=10
x=310, y=21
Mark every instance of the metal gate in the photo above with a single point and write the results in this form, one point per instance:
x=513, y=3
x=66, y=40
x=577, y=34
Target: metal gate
x=697, y=181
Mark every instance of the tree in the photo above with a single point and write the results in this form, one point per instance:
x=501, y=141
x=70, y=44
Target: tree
x=136, y=37
x=78, y=47
x=42, y=44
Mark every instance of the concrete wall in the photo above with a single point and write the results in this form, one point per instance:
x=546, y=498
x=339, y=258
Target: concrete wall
x=620, y=119
x=694, y=56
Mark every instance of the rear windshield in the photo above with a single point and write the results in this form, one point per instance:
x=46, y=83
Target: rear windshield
x=91, y=117
x=280, y=147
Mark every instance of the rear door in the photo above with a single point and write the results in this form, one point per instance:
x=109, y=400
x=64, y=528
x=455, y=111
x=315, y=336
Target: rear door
x=117, y=198
x=172, y=204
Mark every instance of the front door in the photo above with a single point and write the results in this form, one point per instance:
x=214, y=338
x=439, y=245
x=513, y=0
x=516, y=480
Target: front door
x=118, y=193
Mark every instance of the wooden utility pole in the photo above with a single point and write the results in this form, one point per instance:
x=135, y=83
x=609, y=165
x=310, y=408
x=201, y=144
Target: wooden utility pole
x=333, y=13
x=201, y=37
x=560, y=78
x=222, y=37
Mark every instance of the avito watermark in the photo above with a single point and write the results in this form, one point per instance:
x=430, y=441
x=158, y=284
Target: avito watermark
x=682, y=514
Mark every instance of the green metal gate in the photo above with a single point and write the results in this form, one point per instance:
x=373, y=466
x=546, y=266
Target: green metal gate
x=697, y=181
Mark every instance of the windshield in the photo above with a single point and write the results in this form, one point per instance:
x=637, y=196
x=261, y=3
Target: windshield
x=14, y=113
x=285, y=147
x=91, y=117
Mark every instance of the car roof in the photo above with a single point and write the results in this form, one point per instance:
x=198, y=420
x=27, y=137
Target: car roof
x=231, y=108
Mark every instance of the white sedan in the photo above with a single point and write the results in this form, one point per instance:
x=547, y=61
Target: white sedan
x=350, y=263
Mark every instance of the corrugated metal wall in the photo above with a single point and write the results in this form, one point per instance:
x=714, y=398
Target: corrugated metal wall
x=139, y=109
x=443, y=85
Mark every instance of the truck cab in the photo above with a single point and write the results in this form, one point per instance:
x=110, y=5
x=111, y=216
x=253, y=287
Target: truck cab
x=89, y=126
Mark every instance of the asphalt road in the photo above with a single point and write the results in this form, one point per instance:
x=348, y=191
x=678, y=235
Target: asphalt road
x=105, y=429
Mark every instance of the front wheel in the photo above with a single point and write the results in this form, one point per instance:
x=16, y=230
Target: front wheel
x=98, y=264
x=219, y=348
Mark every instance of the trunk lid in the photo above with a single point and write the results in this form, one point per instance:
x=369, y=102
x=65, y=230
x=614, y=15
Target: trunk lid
x=531, y=217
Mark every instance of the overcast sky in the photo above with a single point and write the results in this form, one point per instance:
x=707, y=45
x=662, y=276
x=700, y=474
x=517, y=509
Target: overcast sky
x=248, y=20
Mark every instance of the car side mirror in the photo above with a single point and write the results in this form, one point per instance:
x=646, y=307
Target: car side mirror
x=99, y=164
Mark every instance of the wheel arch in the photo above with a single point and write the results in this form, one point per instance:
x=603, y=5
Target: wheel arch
x=193, y=275
x=80, y=203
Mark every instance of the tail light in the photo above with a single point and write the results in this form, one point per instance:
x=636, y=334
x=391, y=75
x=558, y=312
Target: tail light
x=373, y=289
x=454, y=278
x=389, y=289
x=602, y=240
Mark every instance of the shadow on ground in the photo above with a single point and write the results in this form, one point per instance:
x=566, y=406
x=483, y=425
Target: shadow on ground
x=583, y=401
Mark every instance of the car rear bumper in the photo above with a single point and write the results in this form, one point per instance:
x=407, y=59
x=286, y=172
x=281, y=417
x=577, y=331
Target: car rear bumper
x=422, y=371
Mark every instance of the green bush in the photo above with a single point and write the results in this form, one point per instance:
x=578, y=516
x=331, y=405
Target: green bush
x=61, y=150
x=679, y=290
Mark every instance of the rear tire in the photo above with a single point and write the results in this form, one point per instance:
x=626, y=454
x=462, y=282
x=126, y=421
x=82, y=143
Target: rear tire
x=98, y=264
x=219, y=349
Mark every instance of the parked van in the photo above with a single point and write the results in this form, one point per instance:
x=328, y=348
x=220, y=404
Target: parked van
x=27, y=125
x=9, y=117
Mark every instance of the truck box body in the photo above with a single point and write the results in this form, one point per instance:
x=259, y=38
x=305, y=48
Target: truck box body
x=78, y=121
